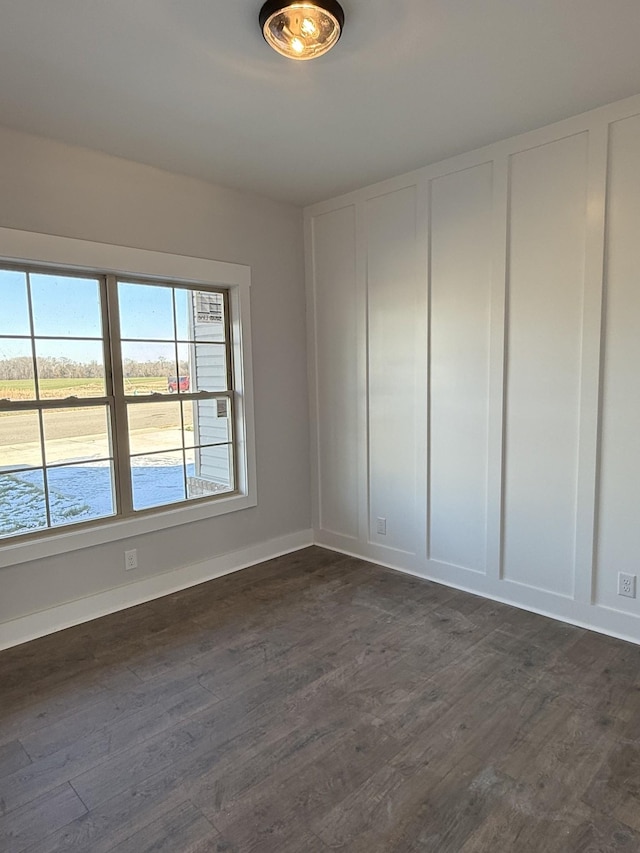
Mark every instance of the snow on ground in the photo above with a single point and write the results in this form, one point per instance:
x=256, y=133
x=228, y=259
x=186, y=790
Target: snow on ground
x=83, y=492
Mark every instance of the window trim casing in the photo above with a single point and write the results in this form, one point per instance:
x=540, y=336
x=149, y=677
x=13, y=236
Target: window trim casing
x=84, y=256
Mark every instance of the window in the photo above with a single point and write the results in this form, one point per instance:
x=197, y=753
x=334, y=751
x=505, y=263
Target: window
x=121, y=395
x=179, y=445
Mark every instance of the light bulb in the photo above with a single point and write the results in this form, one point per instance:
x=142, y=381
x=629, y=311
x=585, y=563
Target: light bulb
x=308, y=28
x=297, y=45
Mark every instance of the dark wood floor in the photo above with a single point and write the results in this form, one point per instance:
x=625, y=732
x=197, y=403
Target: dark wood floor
x=317, y=702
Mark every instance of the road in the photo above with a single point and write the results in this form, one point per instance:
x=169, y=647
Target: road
x=21, y=427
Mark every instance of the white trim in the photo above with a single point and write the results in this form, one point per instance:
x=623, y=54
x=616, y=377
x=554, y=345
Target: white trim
x=79, y=255
x=76, y=612
x=123, y=260
x=592, y=362
x=312, y=366
x=603, y=620
x=362, y=370
x=423, y=365
x=497, y=367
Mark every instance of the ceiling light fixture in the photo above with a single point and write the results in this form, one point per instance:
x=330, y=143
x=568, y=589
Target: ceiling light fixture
x=304, y=29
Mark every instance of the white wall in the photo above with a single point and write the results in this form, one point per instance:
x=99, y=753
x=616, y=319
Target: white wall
x=57, y=189
x=475, y=369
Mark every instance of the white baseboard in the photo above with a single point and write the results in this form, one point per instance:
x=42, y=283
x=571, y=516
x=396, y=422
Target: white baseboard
x=66, y=615
x=593, y=617
x=34, y=625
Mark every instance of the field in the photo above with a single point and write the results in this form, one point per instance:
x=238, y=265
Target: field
x=23, y=389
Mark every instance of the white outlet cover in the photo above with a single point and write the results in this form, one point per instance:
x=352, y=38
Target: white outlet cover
x=626, y=585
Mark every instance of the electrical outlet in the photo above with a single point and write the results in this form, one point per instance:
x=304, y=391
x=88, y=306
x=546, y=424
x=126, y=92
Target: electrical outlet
x=131, y=560
x=381, y=526
x=626, y=585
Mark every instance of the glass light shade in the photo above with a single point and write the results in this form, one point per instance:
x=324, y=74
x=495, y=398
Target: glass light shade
x=302, y=30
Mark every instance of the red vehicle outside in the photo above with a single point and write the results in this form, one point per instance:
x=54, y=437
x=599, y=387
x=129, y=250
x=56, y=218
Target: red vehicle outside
x=172, y=383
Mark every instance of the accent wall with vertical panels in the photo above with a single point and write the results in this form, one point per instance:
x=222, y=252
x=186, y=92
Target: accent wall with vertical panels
x=474, y=352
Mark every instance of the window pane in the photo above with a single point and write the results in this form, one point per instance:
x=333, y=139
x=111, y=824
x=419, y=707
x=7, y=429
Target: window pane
x=157, y=479
x=149, y=368
x=146, y=312
x=208, y=319
x=199, y=315
x=210, y=367
x=22, y=503
x=68, y=368
x=80, y=492
x=66, y=307
x=75, y=435
x=210, y=419
x=184, y=313
x=20, y=440
x=154, y=426
x=185, y=386
x=209, y=470
x=189, y=415
x=16, y=369
x=13, y=292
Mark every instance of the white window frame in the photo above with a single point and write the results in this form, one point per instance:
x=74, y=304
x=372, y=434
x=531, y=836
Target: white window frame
x=84, y=256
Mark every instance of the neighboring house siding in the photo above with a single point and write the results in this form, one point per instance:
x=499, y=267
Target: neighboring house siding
x=208, y=362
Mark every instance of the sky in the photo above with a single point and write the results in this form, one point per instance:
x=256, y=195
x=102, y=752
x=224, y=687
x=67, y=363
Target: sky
x=67, y=307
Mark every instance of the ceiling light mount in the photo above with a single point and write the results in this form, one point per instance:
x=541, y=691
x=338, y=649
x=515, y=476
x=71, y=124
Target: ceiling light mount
x=301, y=29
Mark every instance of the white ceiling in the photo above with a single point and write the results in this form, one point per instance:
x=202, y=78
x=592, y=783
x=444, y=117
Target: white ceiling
x=190, y=86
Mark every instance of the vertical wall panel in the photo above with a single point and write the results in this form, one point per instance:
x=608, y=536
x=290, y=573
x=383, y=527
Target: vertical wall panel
x=336, y=342
x=392, y=362
x=461, y=246
x=533, y=474
x=619, y=543
x=545, y=299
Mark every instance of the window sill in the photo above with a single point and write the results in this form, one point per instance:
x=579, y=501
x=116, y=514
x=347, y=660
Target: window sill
x=115, y=529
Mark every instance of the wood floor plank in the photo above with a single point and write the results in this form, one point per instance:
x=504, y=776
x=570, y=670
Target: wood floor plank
x=118, y=818
x=12, y=757
x=295, y=794
x=520, y=823
x=562, y=748
x=183, y=829
x=414, y=810
x=596, y=834
x=296, y=760
x=41, y=702
x=288, y=838
x=615, y=788
x=374, y=815
x=23, y=827
x=110, y=713
x=319, y=702
x=104, y=745
x=203, y=735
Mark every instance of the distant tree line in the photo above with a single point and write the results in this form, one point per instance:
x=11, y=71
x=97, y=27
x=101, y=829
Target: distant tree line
x=65, y=368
